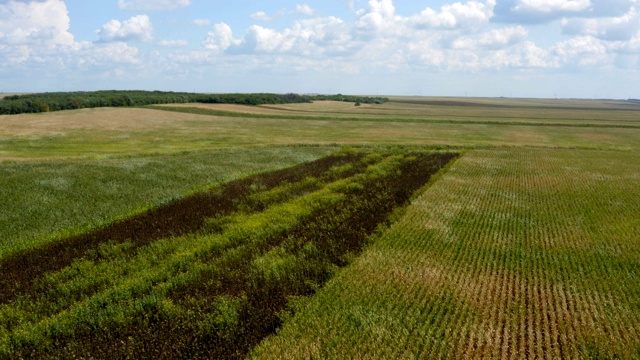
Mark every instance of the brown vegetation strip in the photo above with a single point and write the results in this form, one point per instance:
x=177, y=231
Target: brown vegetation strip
x=630, y=106
x=176, y=218
x=334, y=233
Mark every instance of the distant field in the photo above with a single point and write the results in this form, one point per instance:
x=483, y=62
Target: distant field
x=532, y=112
x=109, y=132
x=526, y=246
x=8, y=94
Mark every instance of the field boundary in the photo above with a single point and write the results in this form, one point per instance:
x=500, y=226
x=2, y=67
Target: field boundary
x=223, y=113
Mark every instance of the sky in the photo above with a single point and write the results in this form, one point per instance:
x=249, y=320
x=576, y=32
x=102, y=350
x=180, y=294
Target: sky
x=510, y=48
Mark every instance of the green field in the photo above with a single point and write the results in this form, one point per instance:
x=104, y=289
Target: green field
x=524, y=246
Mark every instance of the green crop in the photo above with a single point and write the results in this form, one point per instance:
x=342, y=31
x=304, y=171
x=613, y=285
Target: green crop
x=214, y=291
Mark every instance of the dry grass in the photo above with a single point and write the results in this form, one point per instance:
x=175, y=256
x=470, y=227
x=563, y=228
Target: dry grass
x=100, y=119
x=526, y=111
x=2, y=95
x=128, y=131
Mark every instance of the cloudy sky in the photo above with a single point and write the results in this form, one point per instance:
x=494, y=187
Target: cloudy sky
x=519, y=48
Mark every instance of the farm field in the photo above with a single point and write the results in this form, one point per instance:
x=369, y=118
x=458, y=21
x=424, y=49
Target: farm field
x=524, y=246
x=512, y=254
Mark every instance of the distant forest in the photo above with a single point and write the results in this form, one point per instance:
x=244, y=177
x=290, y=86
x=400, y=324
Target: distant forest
x=56, y=101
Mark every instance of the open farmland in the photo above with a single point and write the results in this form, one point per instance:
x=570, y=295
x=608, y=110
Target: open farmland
x=512, y=254
x=526, y=246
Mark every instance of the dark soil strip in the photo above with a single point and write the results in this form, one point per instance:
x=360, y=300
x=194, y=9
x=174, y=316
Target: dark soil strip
x=187, y=215
x=630, y=106
x=483, y=121
x=336, y=233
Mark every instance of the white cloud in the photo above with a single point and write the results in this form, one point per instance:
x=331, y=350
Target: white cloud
x=493, y=39
x=262, y=39
x=460, y=36
x=173, y=43
x=261, y=16
x=456, y=15
x=611, y=8
x=105, y=55
x=503, y=37
x=220, y=38
x=381, y=16
x=326, y=36
x=137, y=28
x=14, y=55
x=201, y=22
x=350, y=3
x=152, y=4
x=35, y=22
x=582, y=51
x=304, y=10
x=607, y=28
x=545, y=11
x=549, y=6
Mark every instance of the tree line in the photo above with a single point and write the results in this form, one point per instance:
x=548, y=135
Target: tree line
x=56, y=101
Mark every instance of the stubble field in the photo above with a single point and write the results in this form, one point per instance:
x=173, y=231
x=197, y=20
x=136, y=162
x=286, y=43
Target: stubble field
x=524, y=246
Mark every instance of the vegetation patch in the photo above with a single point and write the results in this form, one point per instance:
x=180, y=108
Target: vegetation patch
x=213, y=274
x=56, y=101
x=173, y=219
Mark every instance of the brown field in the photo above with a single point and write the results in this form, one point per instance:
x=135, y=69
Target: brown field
x=98, y=119
x=532, y=111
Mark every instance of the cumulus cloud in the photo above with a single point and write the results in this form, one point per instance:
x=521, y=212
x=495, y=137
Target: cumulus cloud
x=493, y=39
x=380, y=17
x=220, y=38
x=143, y=5
x=304, y=10
x=105, y=55
x=136, y=28
x=550, y=6
x=582, y=51
x=261, y=39
x=457, y=36
x=607, y=28
x=35, y=35
x=456, y=15
x=31, y=22
x=611, y=8
x=461, y=35
x=540, y=11
x=317, y=36
x=261, y=16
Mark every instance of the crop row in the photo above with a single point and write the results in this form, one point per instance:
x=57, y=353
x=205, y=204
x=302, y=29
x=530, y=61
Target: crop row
x=217, y=288
x=513, y=254
x=178, y=217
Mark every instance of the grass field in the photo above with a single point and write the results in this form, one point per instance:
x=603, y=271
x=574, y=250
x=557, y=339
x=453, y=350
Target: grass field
x=525, y=247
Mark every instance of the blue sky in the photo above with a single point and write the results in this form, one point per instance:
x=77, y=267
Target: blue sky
x=519, y=48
